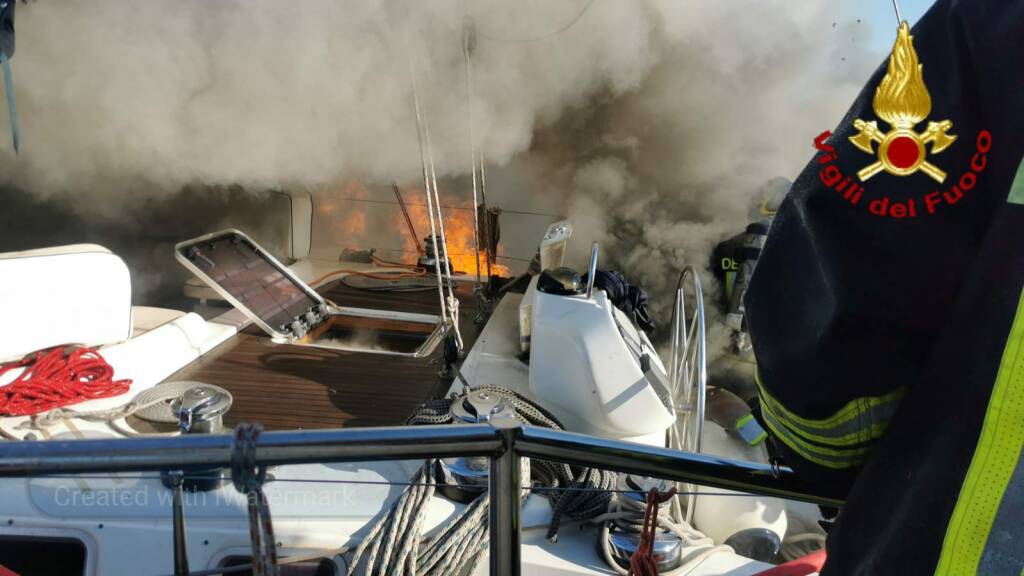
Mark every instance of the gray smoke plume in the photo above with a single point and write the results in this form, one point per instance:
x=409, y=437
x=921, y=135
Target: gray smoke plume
x=650, y=124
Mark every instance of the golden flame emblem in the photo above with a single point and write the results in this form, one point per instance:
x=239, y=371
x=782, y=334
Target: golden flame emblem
x=902, y=100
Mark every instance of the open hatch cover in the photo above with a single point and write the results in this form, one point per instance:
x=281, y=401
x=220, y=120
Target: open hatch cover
x=287, y=309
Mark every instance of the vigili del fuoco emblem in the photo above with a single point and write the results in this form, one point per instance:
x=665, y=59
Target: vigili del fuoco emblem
x=902, y=100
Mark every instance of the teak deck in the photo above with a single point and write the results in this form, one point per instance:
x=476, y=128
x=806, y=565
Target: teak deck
x=287, y=387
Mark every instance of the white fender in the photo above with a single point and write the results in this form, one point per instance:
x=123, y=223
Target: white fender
x=723, y=517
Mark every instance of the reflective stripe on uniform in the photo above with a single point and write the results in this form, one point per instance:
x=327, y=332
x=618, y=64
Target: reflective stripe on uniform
x=858, y=422
x=750, y=430
x=838, y=458
x=1016, y=195
x=980, y=536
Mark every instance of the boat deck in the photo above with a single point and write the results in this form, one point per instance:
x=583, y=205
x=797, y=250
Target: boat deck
x=287, y=387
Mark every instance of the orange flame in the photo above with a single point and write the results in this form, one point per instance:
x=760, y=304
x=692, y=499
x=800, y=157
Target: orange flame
x=346, y=224
x=458, y=231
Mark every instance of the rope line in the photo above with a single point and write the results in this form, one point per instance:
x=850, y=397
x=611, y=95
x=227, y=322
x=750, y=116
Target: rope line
x=248, y=479
x=58, y=377
x=629, y=515
x=589, y=488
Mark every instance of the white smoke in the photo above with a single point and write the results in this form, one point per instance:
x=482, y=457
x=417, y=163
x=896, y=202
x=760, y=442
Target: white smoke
x=267, y=93
x=649, y=123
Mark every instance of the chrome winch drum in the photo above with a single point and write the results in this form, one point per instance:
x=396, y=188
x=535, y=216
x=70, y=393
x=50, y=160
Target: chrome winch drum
x=463, y=479
x=200, y=409
x=624, y=540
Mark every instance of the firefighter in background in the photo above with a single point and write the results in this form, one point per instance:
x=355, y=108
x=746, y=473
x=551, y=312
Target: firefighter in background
x=886, y=308
x=732, y=263
x=731, y=388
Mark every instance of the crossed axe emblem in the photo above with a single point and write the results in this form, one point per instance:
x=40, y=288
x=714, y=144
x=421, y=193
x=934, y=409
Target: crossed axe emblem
x=902, y=151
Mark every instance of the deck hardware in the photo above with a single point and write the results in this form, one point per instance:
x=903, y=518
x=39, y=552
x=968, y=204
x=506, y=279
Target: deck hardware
x=196, y=451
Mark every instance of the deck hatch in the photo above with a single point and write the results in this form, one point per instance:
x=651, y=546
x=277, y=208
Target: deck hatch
x=292, y=312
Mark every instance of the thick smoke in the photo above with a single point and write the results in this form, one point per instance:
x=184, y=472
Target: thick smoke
x=265, y=93
x=651, y=124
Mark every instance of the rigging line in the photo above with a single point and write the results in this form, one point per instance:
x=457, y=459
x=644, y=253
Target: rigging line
x=408, y=220
x=445, y=206
x=453, y=303
x=483, y=198
x=426, y=182
x=896, y=7
x=468, y=44
x=545, y=36
x=271, y=481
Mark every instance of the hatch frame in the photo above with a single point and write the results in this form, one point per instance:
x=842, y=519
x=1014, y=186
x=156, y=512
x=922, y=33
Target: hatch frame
x=322, y=309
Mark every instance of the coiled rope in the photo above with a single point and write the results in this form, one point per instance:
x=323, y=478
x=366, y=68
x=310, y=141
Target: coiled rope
x=153, y=404
x=58, y=377
x=248, y=479
x=589, y=488
x=394, y=544
x=629, y=515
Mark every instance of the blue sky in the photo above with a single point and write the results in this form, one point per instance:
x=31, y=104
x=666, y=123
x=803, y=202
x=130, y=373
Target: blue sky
x=881, y=12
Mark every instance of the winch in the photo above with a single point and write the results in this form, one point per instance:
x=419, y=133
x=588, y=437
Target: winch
x=463, y=479
x=623, y=537
x=433, y=256
x=199, y=410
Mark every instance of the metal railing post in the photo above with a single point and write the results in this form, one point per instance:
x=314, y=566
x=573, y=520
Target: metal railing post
x=505, y=494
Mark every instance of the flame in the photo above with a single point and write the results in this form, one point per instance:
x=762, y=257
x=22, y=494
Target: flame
x=458, y=231
x=354, y=223
x=902, y=98
x=346, y=224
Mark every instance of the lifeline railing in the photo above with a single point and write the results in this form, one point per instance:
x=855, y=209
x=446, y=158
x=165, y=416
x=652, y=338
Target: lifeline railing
x=502, y=441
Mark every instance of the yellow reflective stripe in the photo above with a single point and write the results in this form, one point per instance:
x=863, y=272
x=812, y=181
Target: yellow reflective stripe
x=1016, y=195
x=844, y=428
x=741, y=428
x=858, y=436
x=848, y=412
x=820, y=455
x=853, y=439
x=999, y=448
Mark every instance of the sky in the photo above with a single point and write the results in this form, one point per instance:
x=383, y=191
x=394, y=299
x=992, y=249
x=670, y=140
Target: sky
x=881, y=11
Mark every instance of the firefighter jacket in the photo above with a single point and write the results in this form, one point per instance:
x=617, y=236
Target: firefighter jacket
x=885, y=309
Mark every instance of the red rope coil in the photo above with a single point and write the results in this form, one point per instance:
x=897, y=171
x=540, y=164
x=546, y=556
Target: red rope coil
x=55, y=378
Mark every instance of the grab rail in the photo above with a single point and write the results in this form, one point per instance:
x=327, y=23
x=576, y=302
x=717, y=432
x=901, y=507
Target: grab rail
x=503, y=441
